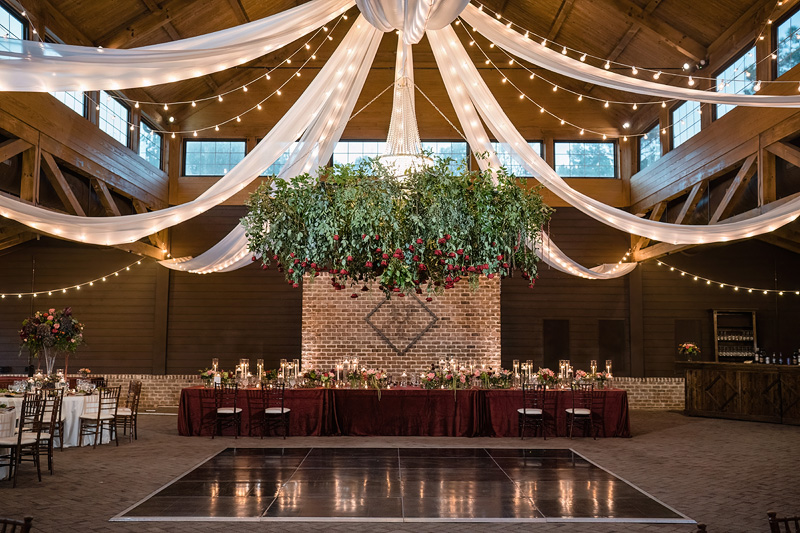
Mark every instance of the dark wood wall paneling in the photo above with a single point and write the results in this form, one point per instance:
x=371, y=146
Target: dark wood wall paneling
x=246, y=313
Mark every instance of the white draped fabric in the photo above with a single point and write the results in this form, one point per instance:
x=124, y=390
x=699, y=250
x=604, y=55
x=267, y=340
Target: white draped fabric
x=312, y=151
x=411, y=17
x=516, y=44
x=329, y=89
x=464, y=83
x=480, y=143
x=41, y=67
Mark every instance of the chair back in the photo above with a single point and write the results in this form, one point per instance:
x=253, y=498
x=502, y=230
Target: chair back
x=225, y=394
x=582, y=396
x=533, y=396
x=257, y=399
x=775, y=523
x=99, y=382
x=134, y=393
x=9, y=525
x=108, y=401
x=53, y=400
x=30, y=416
x=8, y=422
x=275, y=395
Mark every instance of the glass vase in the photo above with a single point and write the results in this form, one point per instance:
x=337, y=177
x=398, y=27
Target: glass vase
x=49, y=353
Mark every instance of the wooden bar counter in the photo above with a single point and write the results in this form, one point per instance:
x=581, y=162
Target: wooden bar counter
x=763, y=393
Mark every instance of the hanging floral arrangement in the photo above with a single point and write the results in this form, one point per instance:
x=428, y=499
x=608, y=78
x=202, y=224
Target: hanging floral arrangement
x=423, y=232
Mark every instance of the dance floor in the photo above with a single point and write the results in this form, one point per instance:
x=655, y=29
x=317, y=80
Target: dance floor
x=400, y=484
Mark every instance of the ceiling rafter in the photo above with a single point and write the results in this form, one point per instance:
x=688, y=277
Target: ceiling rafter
x=238, y=10
x=561, y=16
x=142, y=24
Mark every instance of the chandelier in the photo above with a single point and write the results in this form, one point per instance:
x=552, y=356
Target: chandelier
x=403, y=154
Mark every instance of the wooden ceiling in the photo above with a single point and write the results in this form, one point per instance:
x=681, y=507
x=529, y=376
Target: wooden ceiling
x=659, y=34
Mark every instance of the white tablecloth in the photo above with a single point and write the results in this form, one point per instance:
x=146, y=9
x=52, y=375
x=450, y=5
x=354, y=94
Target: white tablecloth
x=5, y=415
x=71, y=410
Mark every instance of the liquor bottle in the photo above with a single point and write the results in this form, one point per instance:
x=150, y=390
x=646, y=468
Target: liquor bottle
x=794, y=358
x=780, y=358
x=768, y=359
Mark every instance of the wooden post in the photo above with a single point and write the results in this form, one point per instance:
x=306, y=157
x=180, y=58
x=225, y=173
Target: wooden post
x=31, y=170
x=767, y=191
x=636, y=321
x=160, y=320
x=663, y=125
x=173, y=160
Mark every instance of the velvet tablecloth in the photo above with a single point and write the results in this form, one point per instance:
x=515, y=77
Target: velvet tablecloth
x=410, y=411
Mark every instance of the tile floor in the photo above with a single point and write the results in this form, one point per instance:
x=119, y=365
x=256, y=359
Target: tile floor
x=401, y=484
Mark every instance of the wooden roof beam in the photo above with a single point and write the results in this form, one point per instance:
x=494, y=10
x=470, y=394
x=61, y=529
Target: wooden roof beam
x=561, y=16
x=12, y=147
x=692, y=200
x=59, y=183
x=735, y=190
x=667, y=33
x=238, y=10
x=109, y=204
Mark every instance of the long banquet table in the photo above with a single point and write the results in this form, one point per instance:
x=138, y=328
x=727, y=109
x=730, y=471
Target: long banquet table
x=411, y=411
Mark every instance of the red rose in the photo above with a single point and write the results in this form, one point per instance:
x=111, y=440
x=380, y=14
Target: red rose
x=437, y=252
x=384, y=263
x=458, y=278
x=442, y=240
x=274, y=257
x=466, y=257
x=378, y=250
x=253, y=258
x=313, y=265
x=415, y=258
x=471, y=269
x=447, y=237
x=385, y=256
x=303, y=264
x=377, y=237
x=460, y=251
x=429, y=299
x=494, y=243
x=500, y=257
x=505, y=265
x=335, y=237
x=419, y=241
x=290, y=271
x=354, y=295
x=264, y=267
x=451, y=254
x=291, y=254
x=343, y=272
x=396, y=289
x=349, y=257
x=441, y=261
x=363, y=235
x=490, y=276
x=368, y=264
x=296, y=261
x=295, y=285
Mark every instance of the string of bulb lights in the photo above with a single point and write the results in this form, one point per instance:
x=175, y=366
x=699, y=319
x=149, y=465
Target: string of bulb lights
x=564, y=122
x=237, y=118
x=76, y=286
x=607, y=64
x=723, y=285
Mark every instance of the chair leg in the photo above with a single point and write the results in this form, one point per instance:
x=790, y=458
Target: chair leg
x=571, y=424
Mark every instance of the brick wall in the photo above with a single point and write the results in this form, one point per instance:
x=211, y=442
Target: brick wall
x=334, y=326
x=653, y=393
x=156, y=389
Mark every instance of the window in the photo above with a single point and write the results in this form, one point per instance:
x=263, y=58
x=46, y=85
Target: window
x=212, y=158
x=738, y=78
x=685, y=122
x=457, y=151
x=788, y=38
x=114, y=118
x=649, y=148
x=586, y=159
x=508, y=161
x=276, y=167
x=349, y=152
x=73, y=100
x=11, y=24
x=150, y=143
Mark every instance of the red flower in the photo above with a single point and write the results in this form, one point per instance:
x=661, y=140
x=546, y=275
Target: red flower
x=291, y=254
x=471, y=269
x=363, y=236
x=442, y=240
x=354, y=295
x=377, y=237
x=378, y=250
x=313, y=265
x=295, y=285
x=343, y=272
x=264, y=267
x=384, y=263
x=460, y=251
x=368, y=264
x=505, y=265
x=411, y=247
x=458, y=278
x=296, y=261
x=349, y=257
x=335, y=237
x=447, y=237
x=385, y=256
x=253, y=258
x=500, y=257
x=396, y=289
x=303, y=264
x=419, y=241
x=428, y=299
x=290, y=271
x=415, y=258
x=441, y=261
x=274, y=257
x=451, y=254
x=437, y=252
x=490, y=276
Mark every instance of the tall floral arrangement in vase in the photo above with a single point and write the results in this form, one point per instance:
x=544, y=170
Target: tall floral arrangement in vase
x=50, y=332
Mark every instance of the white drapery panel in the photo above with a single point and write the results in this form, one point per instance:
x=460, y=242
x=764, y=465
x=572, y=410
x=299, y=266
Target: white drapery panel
x=312, y=151
x=554, y=61
x=411, y=17
x=467, y=84
x=41, y=67
x=327, y=89
x=480, y=143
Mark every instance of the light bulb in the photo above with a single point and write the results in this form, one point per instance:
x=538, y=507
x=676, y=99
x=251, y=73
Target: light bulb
x=663, y=104
x=194, y=104
x=238, y=119
x=288, y=61
x=606, y=104
x=136, y=105
x=562, y=121
x=607, y=65
x=634, y=71
x=544, y=42
x=172, y=119
x=194, y=134
x=657, y=75
x=244, y=88
x=605, y=137
x=216, y=128
x=635, y=107
x=581, y=132
x=583, y=58
x=564, y=51
x=691, y=81
x=219, y=98
x=580, y=98
x=555, y=88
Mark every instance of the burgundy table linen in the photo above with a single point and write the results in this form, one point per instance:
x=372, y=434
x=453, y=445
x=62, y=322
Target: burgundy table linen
x=413, y=412
x=610, y=404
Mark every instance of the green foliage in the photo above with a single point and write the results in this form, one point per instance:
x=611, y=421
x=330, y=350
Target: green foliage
x=424, y=231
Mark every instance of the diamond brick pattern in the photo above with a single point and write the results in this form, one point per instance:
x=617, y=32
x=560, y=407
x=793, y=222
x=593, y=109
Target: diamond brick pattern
x=401, y=322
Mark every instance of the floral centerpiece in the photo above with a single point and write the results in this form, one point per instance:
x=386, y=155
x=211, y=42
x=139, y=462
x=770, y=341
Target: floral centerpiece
x=689, y=350
x=582, y=377
x=500, y=379
x=84, y=372
x=206, y=375
x=546, y=377
x=315, y=378
x=355, y=377
x=601, y=378
x=50, y=332
x=430, y=380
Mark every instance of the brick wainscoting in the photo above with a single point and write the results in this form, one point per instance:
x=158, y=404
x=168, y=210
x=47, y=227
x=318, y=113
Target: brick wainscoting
x=653, y=393
x=335, y=326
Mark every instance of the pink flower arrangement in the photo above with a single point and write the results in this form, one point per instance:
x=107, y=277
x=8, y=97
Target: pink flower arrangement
x=545, y=376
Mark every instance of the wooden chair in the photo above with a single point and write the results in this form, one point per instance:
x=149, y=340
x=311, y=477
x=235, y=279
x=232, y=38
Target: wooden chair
x=227, y=414
x=532, y=410
x=701, y=528
x=51, y=423
x=128, y=415
x=581, y=410
x=276, y=415
x=26, y=441
x=9, y=525
x=775, y=523
x=257, y=403
x=99, y=382
x=98, y=415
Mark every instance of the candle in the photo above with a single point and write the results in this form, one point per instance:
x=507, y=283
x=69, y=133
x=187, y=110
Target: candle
x=594, y=367
x=260, y=367
x=214, y=363
x=608, y=367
